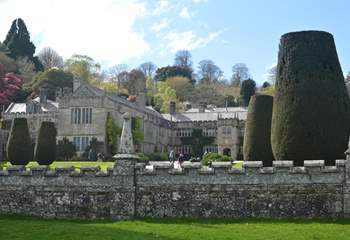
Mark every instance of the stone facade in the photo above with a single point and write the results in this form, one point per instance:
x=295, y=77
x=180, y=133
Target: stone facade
x=132, y=190
x=81, y=116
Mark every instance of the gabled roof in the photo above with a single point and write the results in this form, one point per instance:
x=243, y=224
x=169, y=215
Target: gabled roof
x=50, y=106
x=86, y=90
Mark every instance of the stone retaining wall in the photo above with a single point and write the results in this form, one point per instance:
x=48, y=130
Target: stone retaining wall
x=132, y=190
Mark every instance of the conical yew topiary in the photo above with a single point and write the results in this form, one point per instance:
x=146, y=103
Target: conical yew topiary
x=45, y=147
x=19, y=146
x=257, y=134
x=310, y=117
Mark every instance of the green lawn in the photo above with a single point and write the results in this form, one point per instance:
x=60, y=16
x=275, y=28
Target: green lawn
x=103, y=165
x=15, y=228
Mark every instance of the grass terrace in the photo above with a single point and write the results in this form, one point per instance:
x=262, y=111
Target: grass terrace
x=27, y=228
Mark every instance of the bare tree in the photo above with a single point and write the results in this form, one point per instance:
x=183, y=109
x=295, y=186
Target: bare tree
x=114, y=72
x=240, y=72
x=271, y=73
x=148, y=69
x=50, y=58
x=183, y=58
x=26, y=68
x=208, y=72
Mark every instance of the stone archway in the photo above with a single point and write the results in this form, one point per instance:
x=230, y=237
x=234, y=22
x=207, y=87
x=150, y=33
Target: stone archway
x=227, y=152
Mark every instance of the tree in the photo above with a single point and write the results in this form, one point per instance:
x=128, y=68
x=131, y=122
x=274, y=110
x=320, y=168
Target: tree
x=136, y=82
x=265, y=85
x=165, y=94
x=4, y=49
x=183, y=58
x=45, y=147
x=182, y=86
x=50, y=58
x=208, y=72
x=311, y=107
x=113, y=133
x=257, y=134
x=271, y=74
x=207, y=94
x=19, y=44
x=65, y=149
x=53, y=80
x=10, y=84
x=247, y=90
x=19, y=146
x=114, y=73
x=137, y=133
x=7, y=63
x=84, y=68
x=240, y=72
x=172, y=71
x=25, y=68
x=148, y=69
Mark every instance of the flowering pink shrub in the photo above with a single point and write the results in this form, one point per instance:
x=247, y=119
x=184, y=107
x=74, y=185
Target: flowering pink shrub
x=9, y=85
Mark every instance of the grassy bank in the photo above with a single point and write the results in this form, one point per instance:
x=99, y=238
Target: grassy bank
x=17, y=228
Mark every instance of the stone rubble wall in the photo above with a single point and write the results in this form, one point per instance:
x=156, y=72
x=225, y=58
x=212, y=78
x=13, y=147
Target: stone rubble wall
x=134, y=190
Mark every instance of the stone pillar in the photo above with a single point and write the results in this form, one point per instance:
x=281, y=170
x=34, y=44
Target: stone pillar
x=347, y=186
x=235, y=141
x=126, y=157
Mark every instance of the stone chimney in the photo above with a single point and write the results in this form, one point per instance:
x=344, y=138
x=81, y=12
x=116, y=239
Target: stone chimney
x=43, y=95
x=141, y=99
x=202, y=106
x=76, y=84
x=172, y=108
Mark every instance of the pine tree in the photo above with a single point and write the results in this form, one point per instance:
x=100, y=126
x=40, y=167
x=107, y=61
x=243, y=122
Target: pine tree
x=19, y=44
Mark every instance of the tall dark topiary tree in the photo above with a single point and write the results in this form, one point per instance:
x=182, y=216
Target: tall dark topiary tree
x=311, y=107
x=257, y=134
x=247, y=90
x=19, y=44
x=19, y=146
x=45, y=147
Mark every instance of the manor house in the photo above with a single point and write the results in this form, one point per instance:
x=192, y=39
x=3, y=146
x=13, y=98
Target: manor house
x=82, y=114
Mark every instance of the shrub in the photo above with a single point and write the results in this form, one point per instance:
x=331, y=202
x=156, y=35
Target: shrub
x=65, y=149
x=19, y=146
x=157, y=157
x=45, y=147
x=214, y=157
x=310, y=117
x=143, y=157
x=257, y=134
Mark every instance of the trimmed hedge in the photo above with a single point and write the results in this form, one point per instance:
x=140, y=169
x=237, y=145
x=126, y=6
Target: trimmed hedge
x=19, y=145
x=257, y=134
x=214, y=157
x=45, y=147
x=310, y=117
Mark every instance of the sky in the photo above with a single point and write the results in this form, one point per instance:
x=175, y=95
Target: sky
x=136, y=31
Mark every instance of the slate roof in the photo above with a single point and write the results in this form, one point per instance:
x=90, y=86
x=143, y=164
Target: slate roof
x=50, y=106
x=209, y=115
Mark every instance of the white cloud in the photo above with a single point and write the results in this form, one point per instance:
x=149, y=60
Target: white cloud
x=163, y=6
x=199, y=1
x=102, y=30
x=157, y=27
x=187, y=40
x=184, y=13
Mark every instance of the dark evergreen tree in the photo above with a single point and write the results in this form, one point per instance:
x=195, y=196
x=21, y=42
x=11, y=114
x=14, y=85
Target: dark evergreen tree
x=19, y=146
x=45, y=147
x=247, y=90
x=257, y=134
x=310, y=117
x=19, y=44
x=172, y=71
x=65, y=149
